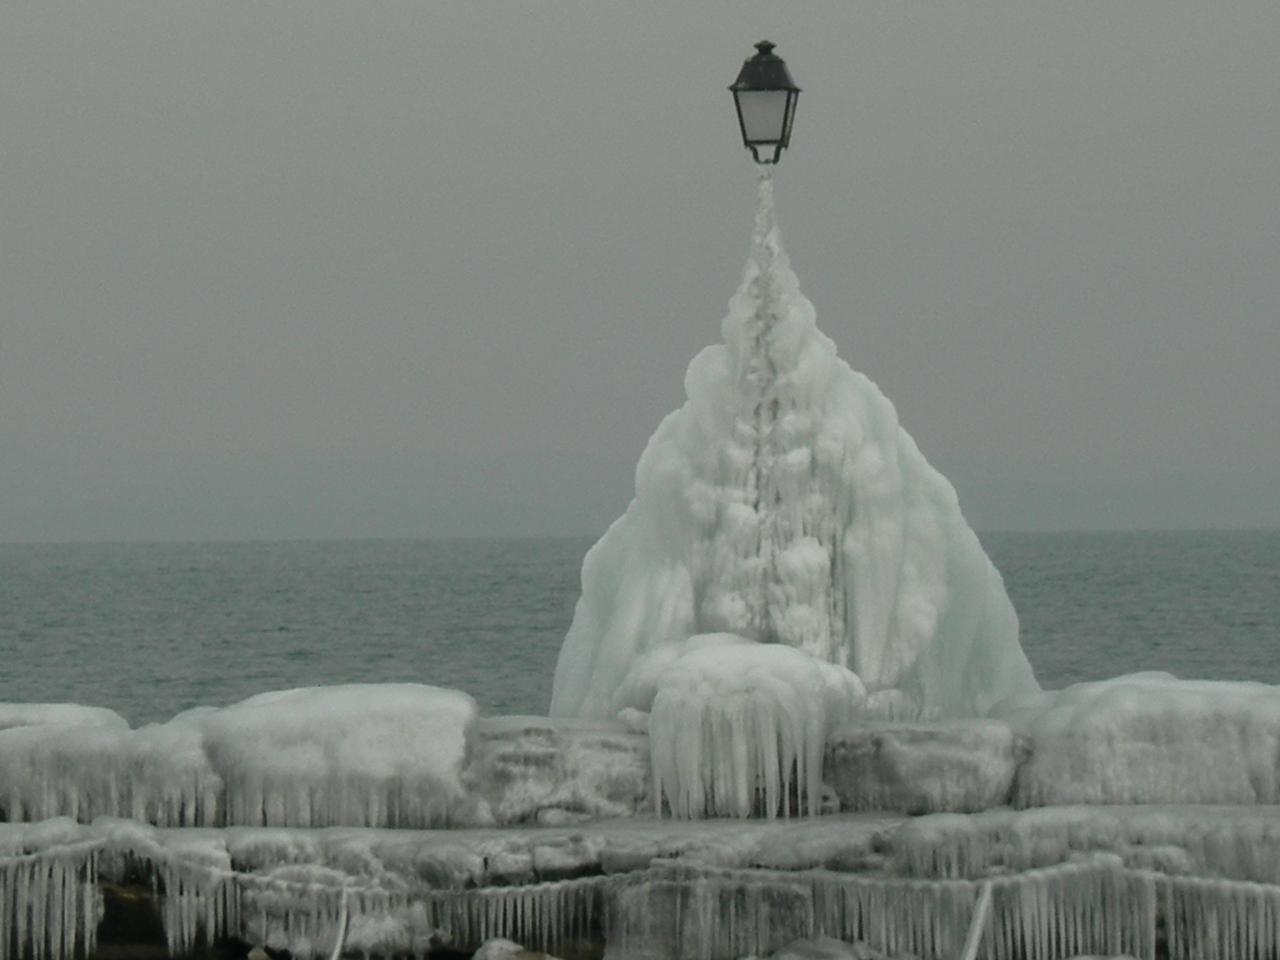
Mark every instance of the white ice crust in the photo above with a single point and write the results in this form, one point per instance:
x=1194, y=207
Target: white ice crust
x=58, y=715
x=1149, y=738
x=784, y=503
x=370, y=755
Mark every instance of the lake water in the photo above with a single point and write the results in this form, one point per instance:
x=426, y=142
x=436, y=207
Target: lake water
x=151, y=629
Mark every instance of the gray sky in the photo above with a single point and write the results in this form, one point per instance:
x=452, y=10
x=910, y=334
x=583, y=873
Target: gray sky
x=349, y=269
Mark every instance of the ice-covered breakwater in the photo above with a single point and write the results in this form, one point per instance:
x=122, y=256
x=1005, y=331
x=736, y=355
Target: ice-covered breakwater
x=398, y=755
x=411, y=756
x=547, y=868
x=1099, y=881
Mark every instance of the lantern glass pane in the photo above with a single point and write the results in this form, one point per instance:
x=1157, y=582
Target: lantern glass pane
x=764, y=114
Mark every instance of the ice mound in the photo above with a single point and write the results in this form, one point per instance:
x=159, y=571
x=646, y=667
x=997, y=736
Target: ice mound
x=360, y=755
x=784, y=503
x=738, y=727
x=1149, y=738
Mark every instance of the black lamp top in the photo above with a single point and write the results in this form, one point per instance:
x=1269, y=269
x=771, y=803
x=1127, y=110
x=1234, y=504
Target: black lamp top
x=765, y=71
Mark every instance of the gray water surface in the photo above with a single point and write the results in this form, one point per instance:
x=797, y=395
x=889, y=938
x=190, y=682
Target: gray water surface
x=152, y=629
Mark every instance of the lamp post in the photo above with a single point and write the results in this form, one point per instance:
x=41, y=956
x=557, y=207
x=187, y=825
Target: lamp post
x=765, y=96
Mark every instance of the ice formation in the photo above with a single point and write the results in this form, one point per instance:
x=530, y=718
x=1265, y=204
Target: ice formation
x=368, y=755
x=784, y=503
x=363, y=755
x=1149, y=738
x=737, y=727
x=57, y=714
x=1062, y=883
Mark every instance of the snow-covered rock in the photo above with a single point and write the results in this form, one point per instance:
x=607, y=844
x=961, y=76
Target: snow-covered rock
x=957, y=766
x=535, y=769
x=1149, y=738
x=784, y=503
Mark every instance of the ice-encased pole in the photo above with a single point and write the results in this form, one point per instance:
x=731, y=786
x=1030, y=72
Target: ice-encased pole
x=761, y=375
x=784, y=504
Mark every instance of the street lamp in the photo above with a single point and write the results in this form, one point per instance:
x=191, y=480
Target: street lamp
x=765, y=96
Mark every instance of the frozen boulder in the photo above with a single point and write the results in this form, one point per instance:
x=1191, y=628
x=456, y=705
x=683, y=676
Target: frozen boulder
x=535, y=769
x=957, y=767
x=1149, y=738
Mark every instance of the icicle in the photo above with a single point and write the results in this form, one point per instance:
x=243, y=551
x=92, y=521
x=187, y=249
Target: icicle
x=979, y=924
x=341, y=939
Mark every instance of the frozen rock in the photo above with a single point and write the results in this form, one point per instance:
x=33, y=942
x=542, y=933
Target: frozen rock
x=535, y=769
x=784, y=503
x=960, y=766
x=1149, y=738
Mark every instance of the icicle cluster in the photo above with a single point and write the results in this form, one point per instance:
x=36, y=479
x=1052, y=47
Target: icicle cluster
x=158, y=774
x=1238, y=842
x=1094, y=907
x=50, y=907
x=1220, y=919
x=739, y=728
x=679, y=911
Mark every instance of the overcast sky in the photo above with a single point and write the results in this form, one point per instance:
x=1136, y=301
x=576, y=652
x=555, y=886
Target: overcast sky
x=353, y=269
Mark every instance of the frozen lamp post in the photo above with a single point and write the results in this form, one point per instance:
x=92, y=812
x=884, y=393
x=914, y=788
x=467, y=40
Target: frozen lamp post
x=765, y=96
